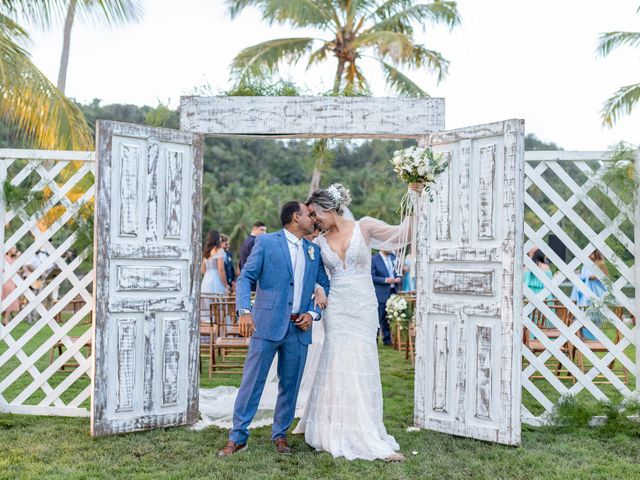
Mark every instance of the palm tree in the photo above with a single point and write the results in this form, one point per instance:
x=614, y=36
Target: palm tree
x=28, y=100
x=111, y=12
x=378, y=30
x=625, y=98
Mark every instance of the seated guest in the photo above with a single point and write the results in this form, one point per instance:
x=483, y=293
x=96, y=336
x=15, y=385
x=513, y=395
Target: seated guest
x=530, y=278
x=386, y=283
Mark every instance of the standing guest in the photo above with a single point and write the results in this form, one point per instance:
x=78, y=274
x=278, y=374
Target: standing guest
x=214, y=280
x=9, y=286
x=245, y=249
x=593, y=283
x=386, y=283
x=229, y=269
x=408, y=281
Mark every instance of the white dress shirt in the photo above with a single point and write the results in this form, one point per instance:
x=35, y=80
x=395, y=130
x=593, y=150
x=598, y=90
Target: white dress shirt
x=298, y=259
x=389, y=265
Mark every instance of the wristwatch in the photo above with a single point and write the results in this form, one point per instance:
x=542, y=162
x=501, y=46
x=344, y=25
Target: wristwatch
x=243, y=311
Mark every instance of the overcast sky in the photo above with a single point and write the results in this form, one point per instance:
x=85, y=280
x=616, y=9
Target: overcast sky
x=509, y=58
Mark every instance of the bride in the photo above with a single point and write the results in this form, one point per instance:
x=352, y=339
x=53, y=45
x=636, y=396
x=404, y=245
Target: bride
x=340, y=400
x=343, y=414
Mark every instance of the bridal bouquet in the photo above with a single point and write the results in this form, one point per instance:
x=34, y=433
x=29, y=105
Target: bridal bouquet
x=419, y=165
x=416, y=165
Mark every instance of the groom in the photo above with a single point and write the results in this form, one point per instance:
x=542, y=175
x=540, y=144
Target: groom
x=286, y=268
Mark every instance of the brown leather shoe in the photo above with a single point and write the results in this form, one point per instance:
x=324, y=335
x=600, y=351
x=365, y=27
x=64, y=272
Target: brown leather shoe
x=231, y=448
x=282, y=446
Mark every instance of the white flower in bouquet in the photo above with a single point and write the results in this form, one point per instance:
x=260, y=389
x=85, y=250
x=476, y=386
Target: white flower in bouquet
x=419, y=165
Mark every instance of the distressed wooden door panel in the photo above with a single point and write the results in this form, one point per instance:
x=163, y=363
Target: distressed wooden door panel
x=147, y=236
x=469, y=286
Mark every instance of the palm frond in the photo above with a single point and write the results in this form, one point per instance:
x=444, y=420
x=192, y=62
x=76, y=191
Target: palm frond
x=620, y=103
x=437, y=12
x=353, y=9
x=612, y=40
x=394, y=45
x=110, y=12
x=13, y=32
x=41, y=13
x=299, y=13
x=47, y=13
x=422, y=57
x=388, y=8
x=319, y=55
x=355, y=79
x=32, y=104
x=401, y=83
x=262, y=59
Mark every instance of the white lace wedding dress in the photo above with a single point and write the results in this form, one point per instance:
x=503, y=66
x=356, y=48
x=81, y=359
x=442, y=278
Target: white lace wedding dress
x=343, y=415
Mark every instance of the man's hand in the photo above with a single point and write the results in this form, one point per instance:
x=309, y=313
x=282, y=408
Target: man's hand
x=304, y=322
x=393, y=280
x=246, y=325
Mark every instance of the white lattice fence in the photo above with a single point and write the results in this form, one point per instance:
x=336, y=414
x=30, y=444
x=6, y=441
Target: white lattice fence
x=45, y=349
x=570, y=211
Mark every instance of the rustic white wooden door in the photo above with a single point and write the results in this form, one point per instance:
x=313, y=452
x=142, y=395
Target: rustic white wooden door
x=147, y=258
x=469, y=282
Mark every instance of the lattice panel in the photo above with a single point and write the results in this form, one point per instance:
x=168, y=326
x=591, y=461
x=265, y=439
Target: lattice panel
x=45, y=349
x=570, y=211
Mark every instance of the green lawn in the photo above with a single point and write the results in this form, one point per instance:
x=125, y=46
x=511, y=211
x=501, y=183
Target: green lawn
x=39, y=447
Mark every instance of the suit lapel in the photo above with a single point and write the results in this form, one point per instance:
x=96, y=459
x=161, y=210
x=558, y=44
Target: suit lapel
x=284, y=245
x=381, y=266
x=307, y=261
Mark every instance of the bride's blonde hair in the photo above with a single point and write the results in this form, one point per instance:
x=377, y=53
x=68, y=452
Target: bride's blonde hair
x=334, y=198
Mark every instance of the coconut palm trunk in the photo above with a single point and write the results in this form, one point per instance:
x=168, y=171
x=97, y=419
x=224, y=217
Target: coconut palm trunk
x=66, y=46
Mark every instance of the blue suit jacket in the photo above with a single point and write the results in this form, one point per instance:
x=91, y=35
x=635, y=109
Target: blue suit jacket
x=379, y=274
x=269, y=271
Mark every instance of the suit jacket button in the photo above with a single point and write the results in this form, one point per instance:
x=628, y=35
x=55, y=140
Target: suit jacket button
x=290, y=303
x=291, y=284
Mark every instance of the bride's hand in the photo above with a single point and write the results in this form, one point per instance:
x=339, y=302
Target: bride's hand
x=417, y=187
x=320, y=298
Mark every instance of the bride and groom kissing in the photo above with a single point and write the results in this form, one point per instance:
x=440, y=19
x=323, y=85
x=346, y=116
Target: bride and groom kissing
x=343, y=414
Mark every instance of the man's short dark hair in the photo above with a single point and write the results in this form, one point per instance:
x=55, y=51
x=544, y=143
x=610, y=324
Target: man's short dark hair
x=286, y=214
x=258, y=224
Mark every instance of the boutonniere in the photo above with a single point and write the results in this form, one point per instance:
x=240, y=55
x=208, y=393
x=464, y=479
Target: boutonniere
x=312, y=253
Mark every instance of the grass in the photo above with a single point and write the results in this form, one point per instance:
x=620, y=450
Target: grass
x=51, y=448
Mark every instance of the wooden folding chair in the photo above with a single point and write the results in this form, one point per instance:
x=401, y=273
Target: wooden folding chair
x=206, y=328
x=404, y=339
x=71, y=308
x=228, y=348
x=599, y=347
x=411, y=341
x=536, y=346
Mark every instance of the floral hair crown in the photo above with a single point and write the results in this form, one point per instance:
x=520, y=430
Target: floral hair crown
x=335, y=194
